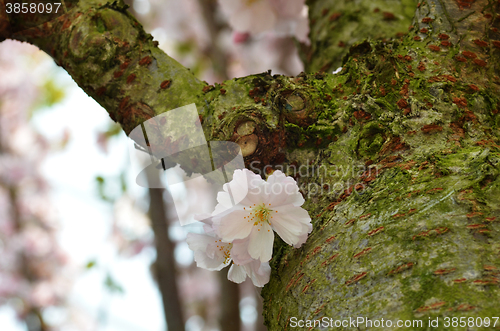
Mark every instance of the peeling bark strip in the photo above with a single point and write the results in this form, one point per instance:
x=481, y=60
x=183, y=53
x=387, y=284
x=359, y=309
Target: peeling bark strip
x=375, y=231
x=356, y=278
x=444, y=271
x=363, y=252
x=396, y=103
x=401, y=268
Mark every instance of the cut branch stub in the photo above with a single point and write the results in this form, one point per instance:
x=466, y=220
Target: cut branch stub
x=246, y=128
x=247, y=141
x=248, y=144
x=297, y=107
x=294, y=102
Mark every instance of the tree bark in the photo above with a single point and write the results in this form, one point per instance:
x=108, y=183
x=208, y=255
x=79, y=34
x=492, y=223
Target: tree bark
x=397, y=155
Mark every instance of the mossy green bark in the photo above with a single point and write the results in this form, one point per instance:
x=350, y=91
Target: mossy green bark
x=405, y=199
x=398, y=155
x=337, y=25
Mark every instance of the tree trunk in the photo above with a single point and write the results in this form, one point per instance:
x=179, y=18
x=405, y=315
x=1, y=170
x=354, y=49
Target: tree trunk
x=397, y=155
x=229, y=317
x=165, y=270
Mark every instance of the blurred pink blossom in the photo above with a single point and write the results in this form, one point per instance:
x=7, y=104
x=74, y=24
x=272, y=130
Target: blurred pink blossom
x=283, y=17
x=240, y=37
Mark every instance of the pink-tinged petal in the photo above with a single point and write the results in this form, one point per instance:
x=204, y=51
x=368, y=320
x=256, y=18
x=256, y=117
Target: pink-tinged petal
x=281, y=229
x=239, y=252
x=237, y=274
x=207, y=223
x=244, y=177
x=291, y=224
x=197, y=241
x=211, y=250
x=221, y=210
x=209, y=229
x=234, y=226
x=258, y=272
x=302, y=28
x=260, y=246
x=306, y=229
x=255, y=194
x=247, y=183
x=288, y=8
x=236, y=191
x=205, y=262
x=245, y=189
x=297, y=213
x=283, y=190
x=287, y=217
x=206, y=253
x=205, y=218
x=301, y=240
x=224, y=200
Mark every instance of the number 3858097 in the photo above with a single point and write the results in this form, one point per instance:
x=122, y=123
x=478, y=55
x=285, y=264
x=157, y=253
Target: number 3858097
x=33, y=8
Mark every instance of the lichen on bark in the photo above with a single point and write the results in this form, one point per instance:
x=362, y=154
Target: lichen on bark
x=398, y=155
x=415, y=235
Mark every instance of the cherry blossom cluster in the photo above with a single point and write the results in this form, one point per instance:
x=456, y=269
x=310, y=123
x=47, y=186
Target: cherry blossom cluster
x=34, y=271
x=243, y=233
x=283, y=17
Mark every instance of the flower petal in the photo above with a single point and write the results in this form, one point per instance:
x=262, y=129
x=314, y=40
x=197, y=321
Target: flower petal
x=234, y=226
x=250, y=183
x=224, y=201
x=283, y=190
x=207, y=223
x=300, y=240
x=206, y=255
x=287, y=8
x=291, y=224
x=236, y=274
x=205, y=262
x=245, y=189
x=239, y=252
x=260, y=246
x=258, y=272
x=198, y=241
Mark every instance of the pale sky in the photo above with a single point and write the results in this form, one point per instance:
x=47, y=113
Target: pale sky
x=85, y=219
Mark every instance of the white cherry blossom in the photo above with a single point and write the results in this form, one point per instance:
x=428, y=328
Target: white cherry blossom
x=211, y=253
x=272, y=205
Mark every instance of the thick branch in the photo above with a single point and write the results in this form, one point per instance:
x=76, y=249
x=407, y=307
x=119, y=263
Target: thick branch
x=110, y=56
x=165, y=270
x=337, y=25
x=415, y=235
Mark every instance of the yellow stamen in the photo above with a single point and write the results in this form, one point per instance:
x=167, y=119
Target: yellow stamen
x=260, y=214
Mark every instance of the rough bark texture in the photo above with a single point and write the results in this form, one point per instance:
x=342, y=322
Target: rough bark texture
x=337, y=25
x=413, y=232
x=398, y=154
